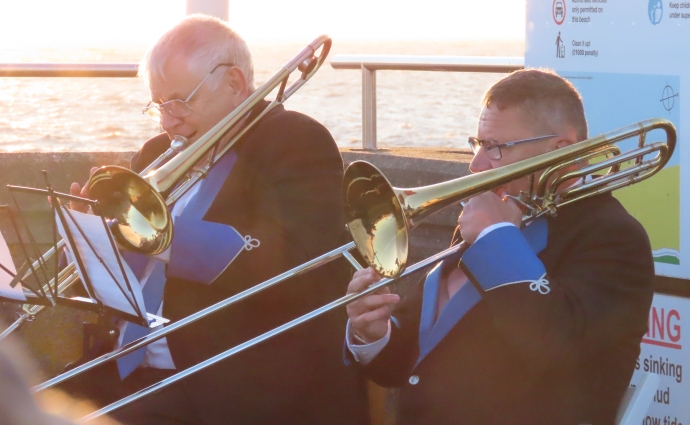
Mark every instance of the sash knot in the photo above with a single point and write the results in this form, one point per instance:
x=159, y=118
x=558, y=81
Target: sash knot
x=540, y=285
x=251, y=243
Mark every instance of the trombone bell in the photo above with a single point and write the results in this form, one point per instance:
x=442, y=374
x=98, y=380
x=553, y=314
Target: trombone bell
x=144, y=223
x=375, y=219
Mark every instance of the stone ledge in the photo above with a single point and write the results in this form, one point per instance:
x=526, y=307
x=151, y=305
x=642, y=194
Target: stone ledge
x=405, y=167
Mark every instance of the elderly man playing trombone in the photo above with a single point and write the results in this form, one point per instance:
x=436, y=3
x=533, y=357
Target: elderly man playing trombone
x=530, y=325
x=271, y=203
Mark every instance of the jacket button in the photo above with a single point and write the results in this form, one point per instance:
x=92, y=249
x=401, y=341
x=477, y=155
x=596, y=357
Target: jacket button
x=414, y=379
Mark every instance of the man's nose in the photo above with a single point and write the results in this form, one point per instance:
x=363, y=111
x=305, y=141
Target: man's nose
x=169, y=121
x=480, y=161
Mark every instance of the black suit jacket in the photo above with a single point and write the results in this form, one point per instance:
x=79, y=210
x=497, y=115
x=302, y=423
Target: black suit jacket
x=520, y=357
x=283, y=190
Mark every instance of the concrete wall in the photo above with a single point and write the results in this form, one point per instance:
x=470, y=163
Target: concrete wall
x=25, y=169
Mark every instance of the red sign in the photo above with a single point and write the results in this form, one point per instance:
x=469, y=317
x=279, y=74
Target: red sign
x=663, y=328
x=558, y=11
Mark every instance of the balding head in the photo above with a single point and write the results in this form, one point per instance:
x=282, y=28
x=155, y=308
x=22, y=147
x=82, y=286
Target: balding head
x=204, y=42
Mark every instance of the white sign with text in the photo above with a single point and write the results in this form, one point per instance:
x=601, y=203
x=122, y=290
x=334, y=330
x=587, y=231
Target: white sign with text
x=630, y=60
x=665, y=350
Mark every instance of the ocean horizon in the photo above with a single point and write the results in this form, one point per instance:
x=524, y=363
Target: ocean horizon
x=421, y=109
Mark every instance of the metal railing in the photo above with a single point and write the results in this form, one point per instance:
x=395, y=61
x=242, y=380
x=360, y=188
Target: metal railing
x=117, y=70
x=369, y=64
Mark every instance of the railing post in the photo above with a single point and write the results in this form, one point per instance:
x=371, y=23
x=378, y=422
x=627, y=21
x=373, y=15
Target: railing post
x=368, y=109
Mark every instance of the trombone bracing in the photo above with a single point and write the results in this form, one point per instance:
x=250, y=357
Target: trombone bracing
x=142, y=219
x=380, y=216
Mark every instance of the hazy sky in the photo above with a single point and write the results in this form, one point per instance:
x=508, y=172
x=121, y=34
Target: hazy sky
x=92, y=23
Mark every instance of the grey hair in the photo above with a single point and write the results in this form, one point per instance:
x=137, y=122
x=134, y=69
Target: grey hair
x=206, y=42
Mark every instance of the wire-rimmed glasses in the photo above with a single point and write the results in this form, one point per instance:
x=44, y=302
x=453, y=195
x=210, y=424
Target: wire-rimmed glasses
x=493, y=149
x=176, y=107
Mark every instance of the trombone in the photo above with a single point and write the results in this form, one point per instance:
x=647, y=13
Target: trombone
x=380, y=216
x=142, y=218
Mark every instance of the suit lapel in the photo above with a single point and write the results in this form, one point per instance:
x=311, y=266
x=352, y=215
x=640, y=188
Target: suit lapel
x=429, y=302
x=462, y=302
x=430, y=332
x=210, y=186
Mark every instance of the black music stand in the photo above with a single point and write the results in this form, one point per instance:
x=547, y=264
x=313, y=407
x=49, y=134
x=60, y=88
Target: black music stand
x=43, y=286
x=36, y=294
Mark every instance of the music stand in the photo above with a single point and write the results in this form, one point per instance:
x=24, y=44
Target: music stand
x=13, y=291
x=122, y=300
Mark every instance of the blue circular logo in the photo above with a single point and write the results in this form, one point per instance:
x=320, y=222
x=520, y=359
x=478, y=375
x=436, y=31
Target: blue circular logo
x=655, y=11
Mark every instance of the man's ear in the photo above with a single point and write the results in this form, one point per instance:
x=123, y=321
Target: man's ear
x=236, y=80
x=568, y=136
x=563, y=143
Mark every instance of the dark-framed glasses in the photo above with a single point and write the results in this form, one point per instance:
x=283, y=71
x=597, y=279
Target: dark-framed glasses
x=176, y=107
x=493, y=149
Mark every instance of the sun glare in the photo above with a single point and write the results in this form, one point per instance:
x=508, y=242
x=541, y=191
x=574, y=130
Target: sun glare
x=121, y=23
x=92, y=114
x=85, y=23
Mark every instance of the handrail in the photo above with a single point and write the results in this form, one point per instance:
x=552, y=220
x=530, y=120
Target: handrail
x=369, y=64
x=117, y=70
x=429, y=63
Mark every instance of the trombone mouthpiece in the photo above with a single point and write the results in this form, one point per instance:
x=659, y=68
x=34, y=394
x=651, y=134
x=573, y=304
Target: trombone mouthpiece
x=179, y=143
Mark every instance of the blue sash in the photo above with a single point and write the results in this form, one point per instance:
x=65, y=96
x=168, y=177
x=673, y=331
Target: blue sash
x=432, y=331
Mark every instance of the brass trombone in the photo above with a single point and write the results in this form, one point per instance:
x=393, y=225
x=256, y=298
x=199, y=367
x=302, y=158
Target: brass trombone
x=143, y=222
x=380, y=216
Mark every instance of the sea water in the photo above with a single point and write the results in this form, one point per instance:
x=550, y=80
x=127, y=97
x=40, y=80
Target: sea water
x=437, y=109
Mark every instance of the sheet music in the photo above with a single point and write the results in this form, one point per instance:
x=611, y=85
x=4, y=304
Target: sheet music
x=16, y=293
x=112, y=293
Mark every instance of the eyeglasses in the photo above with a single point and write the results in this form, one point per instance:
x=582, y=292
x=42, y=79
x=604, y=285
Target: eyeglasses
x=176, y=107
x=493, y=149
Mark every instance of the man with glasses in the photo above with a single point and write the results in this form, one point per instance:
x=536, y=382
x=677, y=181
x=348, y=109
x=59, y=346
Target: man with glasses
x=537, y=324
x=270, y=204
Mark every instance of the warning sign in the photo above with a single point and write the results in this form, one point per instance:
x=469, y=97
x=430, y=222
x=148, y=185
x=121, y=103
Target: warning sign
x=665, y=351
